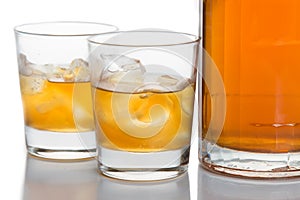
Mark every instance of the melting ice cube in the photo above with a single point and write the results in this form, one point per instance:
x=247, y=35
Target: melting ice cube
x=31, y=84
x=80, y=69
x=173, y=82
x=117, y=63
x=121, y=73
x=167, y=80
x=23, y=65
x=57, y=74
x=77, y=71
x=27, y=68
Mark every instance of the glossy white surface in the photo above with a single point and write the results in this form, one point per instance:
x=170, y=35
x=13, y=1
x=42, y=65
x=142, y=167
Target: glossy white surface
x=79, y=180
x=48, y=180
x=216, y=187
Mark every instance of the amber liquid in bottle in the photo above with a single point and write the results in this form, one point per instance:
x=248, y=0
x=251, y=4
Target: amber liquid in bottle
x=256, y=47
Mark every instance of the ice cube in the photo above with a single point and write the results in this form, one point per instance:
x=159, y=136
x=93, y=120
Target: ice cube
x=79, y=69
x=57, y=74
x=167, y=80
x=47, y=106
x=187, y=99
x=117, y=63
x=27, y=68
x=124, y=81
x=42, y=70
x=32, y=85
x=159, y=82
x=121, y=73
x=23, y=65
x=69, y=75
x=173, y=82
x=78, y=62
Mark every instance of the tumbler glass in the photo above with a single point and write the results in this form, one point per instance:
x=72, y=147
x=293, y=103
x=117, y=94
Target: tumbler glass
x=55, y=88
x=143, y=85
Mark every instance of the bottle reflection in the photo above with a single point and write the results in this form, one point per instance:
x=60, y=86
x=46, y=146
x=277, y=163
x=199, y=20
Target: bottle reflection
x=176, y=189
x=217, y=187
x=60, y=181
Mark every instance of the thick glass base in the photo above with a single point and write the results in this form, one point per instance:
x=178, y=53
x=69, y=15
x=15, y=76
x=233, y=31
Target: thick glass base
x=60, y=146
x=250, y=164
x=150, y=166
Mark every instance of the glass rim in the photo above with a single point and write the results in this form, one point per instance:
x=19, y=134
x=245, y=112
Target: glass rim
x=195, y=39
x=25, y=28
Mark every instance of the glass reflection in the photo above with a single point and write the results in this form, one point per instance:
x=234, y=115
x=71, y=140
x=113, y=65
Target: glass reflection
x=175, y=189
x=217, y=187
x=48, y=180
x=60, y=180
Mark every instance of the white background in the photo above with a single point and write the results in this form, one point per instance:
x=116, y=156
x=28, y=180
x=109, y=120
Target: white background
x=177, y=15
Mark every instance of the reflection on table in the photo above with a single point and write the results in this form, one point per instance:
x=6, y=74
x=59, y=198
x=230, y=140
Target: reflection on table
x=175, y=189
x=47, y=180
x=218, y=187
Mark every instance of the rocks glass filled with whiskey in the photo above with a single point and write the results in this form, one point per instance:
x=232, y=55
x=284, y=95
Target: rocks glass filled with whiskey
x=55, y=88
x=143, y=89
